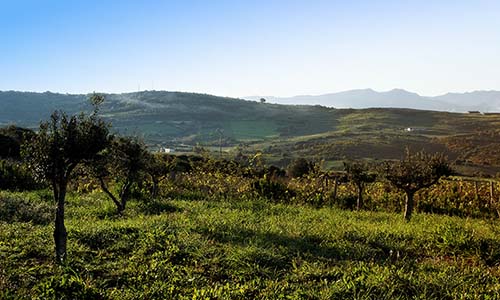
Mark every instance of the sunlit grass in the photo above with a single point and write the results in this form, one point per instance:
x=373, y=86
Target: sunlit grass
x=250, y=249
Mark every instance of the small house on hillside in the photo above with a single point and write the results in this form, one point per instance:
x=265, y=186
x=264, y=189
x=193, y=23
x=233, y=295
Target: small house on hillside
x=416, y=129
x=166, y=150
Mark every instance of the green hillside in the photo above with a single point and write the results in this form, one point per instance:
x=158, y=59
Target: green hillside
x=161, y=116
x=282, y=131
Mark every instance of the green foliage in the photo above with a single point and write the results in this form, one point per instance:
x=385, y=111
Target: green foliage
x=359, y=173
x=15, y=208
x=125, y=164
x=64, y=142
x=300, y=167
x=9, y=148
x=417, y=170
x=15, y=176
x=272, y=190
x=11, y=139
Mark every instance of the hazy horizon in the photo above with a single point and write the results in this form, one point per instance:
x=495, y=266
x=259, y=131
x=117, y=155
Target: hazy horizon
x=275, y=48
x=250, y=96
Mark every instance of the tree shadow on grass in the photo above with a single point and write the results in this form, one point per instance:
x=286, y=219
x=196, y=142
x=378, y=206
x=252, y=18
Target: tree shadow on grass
x=157, y=207
x=349, y=247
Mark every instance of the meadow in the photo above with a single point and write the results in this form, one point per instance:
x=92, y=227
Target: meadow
x=233, y=249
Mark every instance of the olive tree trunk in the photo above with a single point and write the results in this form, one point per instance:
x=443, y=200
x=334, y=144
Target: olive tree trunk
x=409, y=205
x=359, y=203
x=119, y=206
x=335, y=187
x=60, y=234
x=154, y=190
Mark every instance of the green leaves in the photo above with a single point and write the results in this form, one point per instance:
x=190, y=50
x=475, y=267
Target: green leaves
x=63, y=142
x=359, y=172
x=417, y=170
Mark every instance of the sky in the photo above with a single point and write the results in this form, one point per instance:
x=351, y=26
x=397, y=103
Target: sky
x=243, y=48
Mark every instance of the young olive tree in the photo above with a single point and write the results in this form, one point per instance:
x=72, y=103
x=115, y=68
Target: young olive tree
x=158, y=168
x=414, y=172
x=300, y=167
x=359, y=174
x=59, y=146
x=163, y=166
x=124, y=163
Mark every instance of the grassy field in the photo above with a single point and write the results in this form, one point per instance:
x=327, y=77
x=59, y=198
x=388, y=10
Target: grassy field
x=178, y=249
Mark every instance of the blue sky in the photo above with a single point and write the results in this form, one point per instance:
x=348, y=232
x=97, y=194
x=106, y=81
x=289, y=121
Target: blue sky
x=243, y=48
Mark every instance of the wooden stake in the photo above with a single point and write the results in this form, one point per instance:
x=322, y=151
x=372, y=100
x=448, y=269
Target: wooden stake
x=476, y=189
x=491, y=193
x=335, y=185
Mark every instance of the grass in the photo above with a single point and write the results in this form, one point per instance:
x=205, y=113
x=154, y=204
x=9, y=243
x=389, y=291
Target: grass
x=173, y=249
x=252, y=130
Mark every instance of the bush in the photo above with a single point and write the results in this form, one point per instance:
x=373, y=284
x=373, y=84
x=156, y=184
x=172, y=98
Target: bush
x=14, y=176
x=273, y=190
x=300, y=167
x=15, y=209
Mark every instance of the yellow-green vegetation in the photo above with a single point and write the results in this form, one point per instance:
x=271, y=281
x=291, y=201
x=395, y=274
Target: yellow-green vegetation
x=234, y=249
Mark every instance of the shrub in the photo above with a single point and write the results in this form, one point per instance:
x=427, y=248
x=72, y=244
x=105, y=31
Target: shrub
x=15, y=209
x=11, y=138
x=300, y=167
x=273, y=190
x=14, y=176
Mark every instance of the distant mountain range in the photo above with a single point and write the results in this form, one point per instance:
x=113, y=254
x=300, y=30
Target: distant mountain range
x=484, y=101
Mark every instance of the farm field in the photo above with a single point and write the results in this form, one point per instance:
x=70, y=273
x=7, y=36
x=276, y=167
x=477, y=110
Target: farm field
x=253, y=249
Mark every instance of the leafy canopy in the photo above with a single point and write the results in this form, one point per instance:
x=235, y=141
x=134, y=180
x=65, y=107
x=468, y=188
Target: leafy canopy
x=417, y=170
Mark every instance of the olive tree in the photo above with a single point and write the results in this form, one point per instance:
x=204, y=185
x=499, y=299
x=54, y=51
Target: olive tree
x=299, y=167
x=123, y=163
x=414, y=172
x=60, y=145
x=359, y=174
x=159, y=167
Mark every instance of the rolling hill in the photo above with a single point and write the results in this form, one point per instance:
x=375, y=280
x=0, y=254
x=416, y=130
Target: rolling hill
x=282, y=132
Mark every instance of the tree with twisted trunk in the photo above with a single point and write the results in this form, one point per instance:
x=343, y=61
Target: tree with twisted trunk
x=123, y=163
x=414, y=172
